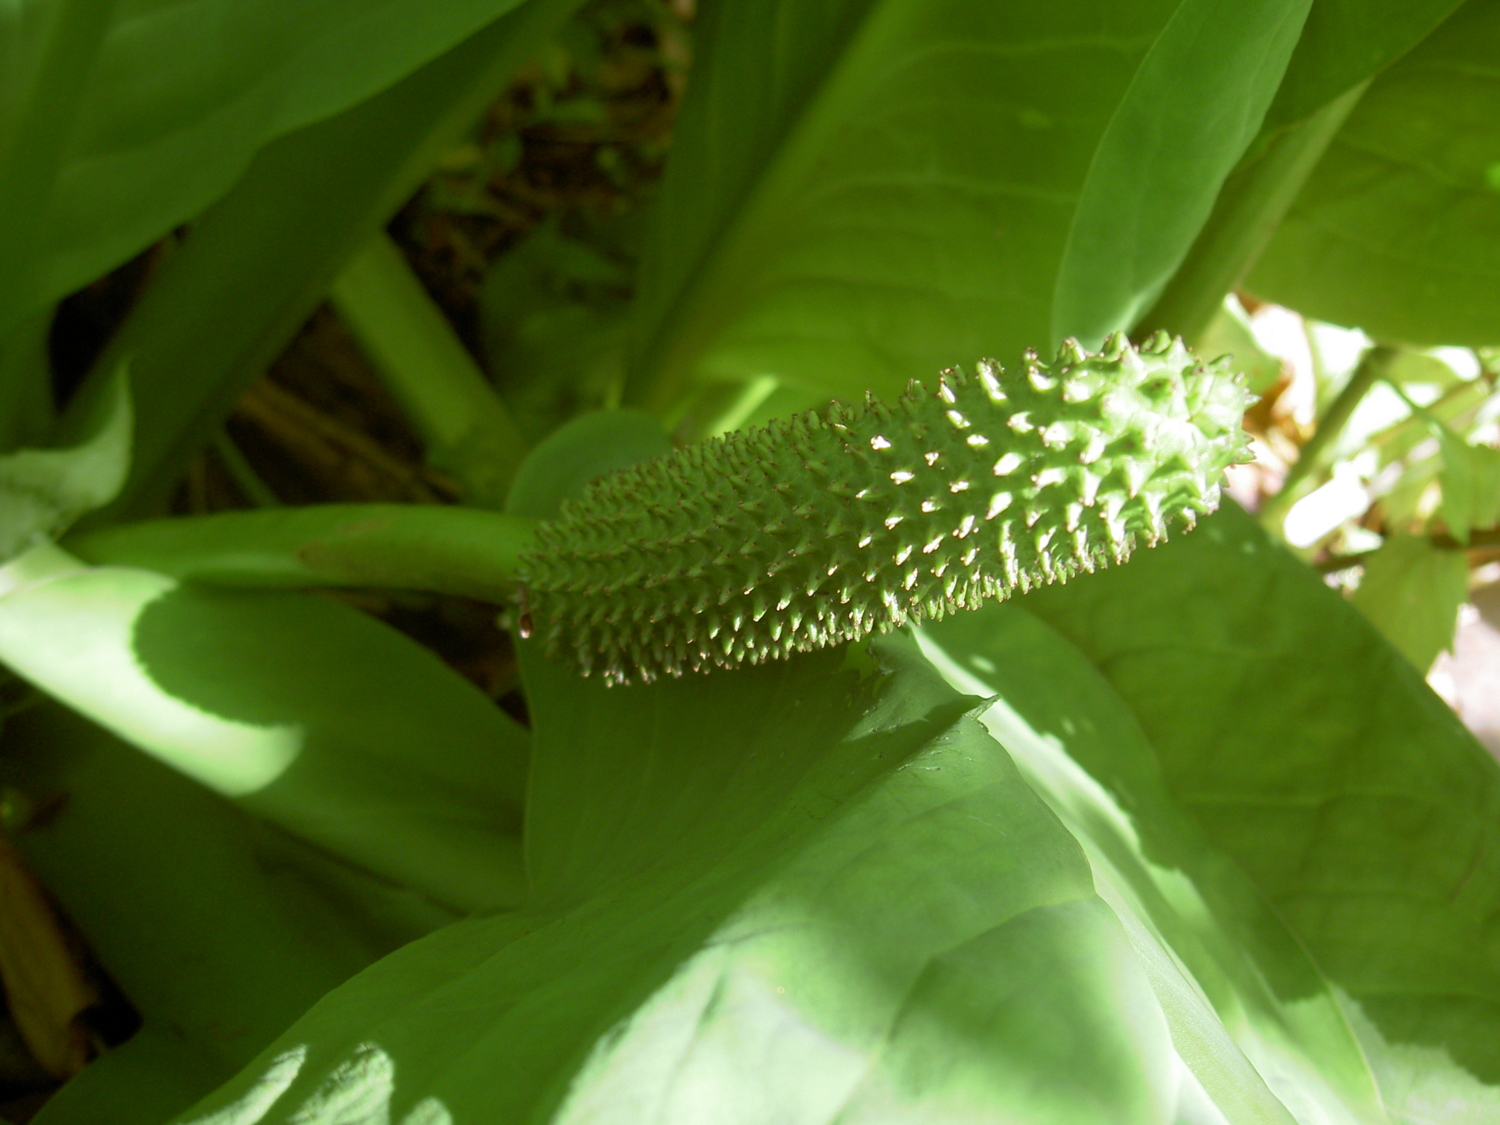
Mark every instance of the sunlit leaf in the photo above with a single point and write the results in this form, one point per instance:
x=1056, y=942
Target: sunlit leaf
x=325, y=722
x=1411, y=590
x=869, y=193
x=176, y=98
x=1315, y=756
x=1252, y=1018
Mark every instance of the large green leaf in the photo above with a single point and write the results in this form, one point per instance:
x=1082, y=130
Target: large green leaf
x=1396, y=229
x=219, y=932
x=150, y=109
x=795, y=893
x=807, y=893
x=776, y=896
x=1252, y=1019
x=1192, y=109
x=309, y=714
x=1312, y=754
x=869, y=192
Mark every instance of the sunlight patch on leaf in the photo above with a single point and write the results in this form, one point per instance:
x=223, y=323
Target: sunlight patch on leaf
x=253, y=1106
x=184, y=92
x=358, y=1091
x=1313, y=755
x=1194, y=921
x=1422, y=1085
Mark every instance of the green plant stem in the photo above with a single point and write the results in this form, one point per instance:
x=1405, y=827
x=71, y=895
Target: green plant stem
x=457, y=413
x=1484, y=538
x=1372, y=367
x=1250, y=206
x=257, y=263
x=31, y=155
x=245, y=478
x=448, y=550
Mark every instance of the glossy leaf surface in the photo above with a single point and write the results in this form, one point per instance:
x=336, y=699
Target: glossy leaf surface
x=172, y=99
x=766, y=896
x=326, y=723
x=801, y=893
x=1316, y=757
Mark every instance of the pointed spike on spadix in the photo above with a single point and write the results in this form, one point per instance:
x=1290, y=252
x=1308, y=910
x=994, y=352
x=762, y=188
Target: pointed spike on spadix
x=990, y=376
x=1070, y=352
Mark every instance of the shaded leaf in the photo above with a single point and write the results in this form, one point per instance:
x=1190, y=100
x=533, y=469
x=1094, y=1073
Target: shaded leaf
x=1346, y=41
x=177, y=98
x=1395, y=230
x=218, y=935
x=554, y=314
x=228, y=299
x=325, y=722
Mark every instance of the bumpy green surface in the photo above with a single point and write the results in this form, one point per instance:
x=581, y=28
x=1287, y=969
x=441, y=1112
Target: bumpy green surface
x=819, y=530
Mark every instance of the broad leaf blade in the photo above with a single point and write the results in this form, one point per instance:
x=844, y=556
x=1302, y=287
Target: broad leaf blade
x=1192, y=109
x=1395, y=231
x=774, y=896
x=1314, y=756
x=797, y=931
x=865, y=195
x=971, y=183
x=1251, y=1016
x=309, y=714
x=180, y=95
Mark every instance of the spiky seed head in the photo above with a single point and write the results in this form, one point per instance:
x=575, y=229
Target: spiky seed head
x=815, y=531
